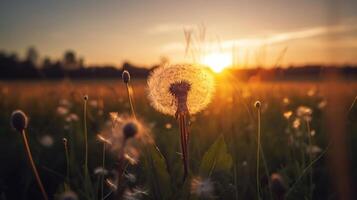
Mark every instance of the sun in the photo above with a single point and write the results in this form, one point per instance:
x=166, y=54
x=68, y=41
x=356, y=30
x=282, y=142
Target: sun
x=217, y=61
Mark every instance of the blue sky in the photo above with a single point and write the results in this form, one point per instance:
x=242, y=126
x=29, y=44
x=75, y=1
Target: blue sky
x=141, y=31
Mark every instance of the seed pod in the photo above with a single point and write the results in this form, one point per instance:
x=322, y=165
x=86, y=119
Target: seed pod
x=130, y=130
x=19, y=120
x=257, y=104
x=125, y=76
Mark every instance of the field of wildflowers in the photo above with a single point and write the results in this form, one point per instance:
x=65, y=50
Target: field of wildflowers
x=104, y=140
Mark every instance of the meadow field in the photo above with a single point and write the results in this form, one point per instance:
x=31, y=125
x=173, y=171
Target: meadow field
x=295, y=158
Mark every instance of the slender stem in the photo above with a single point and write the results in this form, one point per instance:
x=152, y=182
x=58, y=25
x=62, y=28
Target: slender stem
x=37, y=176
x=103, y=166
x=67, y=160
x=130, y=97
x=184, y=142
x=305, y=170
x=258, y=156
x=310, y=157
x=85, y=139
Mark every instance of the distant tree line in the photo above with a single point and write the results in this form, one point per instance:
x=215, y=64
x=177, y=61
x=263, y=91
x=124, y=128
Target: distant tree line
x=72, y=66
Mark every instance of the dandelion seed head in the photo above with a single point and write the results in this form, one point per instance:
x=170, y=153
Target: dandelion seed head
x=191, y=83
x=130, y=129
x=202, y=187
x=18, y=120
x=125, y=76
x=85, y=97
x=125, y=130
x=64, y=140
x=286, y=100
x=257, y=104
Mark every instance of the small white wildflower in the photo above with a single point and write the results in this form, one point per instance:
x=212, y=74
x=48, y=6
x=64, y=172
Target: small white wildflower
x=313, y=149
x=168, y=126
x=322, y=104
x=304, y=112
x=46, y=140
x=62, y=110
x=288, y=114
x=296, y=123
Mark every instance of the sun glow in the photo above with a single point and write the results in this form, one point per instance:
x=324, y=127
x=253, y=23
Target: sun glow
x=217, y=61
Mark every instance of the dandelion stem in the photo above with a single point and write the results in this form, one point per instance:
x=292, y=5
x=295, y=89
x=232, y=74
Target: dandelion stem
x=102, y=177
x=130, y=97
x=67, y=159
x=310, y=157
x=37, y=176
x=305, y=170
x=258, y=155
x=85, y=138
x=184, y=142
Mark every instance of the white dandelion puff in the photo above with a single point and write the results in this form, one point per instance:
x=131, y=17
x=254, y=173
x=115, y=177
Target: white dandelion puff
x=164, y=82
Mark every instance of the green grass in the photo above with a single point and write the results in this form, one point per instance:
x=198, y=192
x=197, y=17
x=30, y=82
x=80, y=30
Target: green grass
x=222, y=144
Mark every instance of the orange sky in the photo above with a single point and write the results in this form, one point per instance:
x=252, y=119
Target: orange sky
x=111, y=31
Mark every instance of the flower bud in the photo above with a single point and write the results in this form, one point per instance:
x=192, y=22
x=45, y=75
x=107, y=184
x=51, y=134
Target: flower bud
x=125, y=76
x=19, y=120
x=257, y=104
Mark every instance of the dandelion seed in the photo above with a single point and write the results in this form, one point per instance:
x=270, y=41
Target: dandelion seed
x=111, y=184
x=135, y=194
x=68, y=195
x=257, y=104
x=100, y=171
x=244, y=163
x=287, y=114
x=130, y=177
x=103, y=139
x=202, y=187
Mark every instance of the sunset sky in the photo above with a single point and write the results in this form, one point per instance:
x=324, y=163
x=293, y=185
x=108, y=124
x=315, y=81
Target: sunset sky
x=142, y=31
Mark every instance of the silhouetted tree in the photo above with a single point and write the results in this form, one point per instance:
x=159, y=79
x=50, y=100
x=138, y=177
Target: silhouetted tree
x=32, y=55
x=70, y=60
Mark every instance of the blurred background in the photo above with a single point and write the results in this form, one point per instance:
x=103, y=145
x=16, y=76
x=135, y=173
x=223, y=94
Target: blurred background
x=291, y=55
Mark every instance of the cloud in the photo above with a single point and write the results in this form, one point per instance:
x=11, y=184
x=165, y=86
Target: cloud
x=271, y=39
